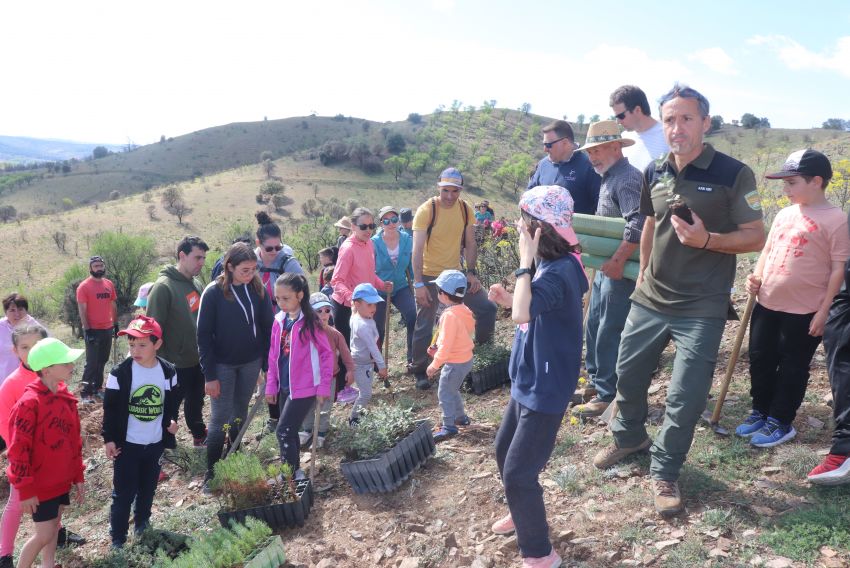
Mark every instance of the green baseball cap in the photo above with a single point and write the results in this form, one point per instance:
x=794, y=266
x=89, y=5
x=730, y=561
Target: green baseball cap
x=51, y=351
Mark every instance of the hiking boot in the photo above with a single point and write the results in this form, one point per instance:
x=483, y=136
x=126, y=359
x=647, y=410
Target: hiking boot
x=668, y=500
x=753, y=423
x=503, y=526
x=583, y=394
x=305, y=437
x=422, y=382
x=772, y=434
x=445, y=432
x=595, y=407
x=7, y=562
x=834, y=470
x=612, y=454
x=68, y=538
x=463, y=421
x=551, y=560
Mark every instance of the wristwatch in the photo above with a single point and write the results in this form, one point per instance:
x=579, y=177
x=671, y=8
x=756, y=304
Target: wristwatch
x=472, y=271
x=521, y=272
x=418, y=284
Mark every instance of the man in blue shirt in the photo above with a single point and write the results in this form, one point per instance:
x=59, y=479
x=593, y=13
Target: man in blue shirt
x=565, y=167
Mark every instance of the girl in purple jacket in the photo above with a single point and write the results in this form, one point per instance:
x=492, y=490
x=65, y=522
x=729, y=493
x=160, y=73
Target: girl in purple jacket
x=301, y=363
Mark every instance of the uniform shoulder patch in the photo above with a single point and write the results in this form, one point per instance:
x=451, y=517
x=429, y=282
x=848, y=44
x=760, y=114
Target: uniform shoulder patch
x=753, y=200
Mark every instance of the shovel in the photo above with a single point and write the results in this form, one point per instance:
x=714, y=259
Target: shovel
x=713, y=418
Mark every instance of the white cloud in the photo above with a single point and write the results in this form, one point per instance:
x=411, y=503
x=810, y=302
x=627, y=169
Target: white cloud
x=796, y=56
x=716, y=59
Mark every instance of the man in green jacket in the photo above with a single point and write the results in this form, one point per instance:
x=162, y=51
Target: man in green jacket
x=173, y=302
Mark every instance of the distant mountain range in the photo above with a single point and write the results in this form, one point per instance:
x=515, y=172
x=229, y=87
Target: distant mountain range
x=19, y=149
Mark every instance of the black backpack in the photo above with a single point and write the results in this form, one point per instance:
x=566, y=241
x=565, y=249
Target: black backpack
x=464, y=209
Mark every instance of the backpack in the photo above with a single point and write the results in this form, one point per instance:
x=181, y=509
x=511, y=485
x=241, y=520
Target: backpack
x=279, y=268
x=464, y=209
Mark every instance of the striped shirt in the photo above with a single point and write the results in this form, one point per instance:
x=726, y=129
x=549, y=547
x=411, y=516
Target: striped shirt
x=619, y=196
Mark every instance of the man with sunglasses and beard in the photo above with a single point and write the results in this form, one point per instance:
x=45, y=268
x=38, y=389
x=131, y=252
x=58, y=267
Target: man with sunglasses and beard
x=565, y=167
x=96, y=304
x=173, y=302
x=443, y=230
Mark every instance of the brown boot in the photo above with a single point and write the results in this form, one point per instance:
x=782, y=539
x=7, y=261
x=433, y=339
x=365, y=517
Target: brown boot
x=668, y=500
x=612, y=454
x=595, y=407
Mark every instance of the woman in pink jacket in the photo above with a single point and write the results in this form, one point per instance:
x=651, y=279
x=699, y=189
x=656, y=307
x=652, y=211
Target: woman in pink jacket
x=355, y=265
x=301, y=363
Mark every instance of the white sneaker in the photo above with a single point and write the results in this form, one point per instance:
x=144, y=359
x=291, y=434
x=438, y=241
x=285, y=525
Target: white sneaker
x=320, y=442
x=304, y=437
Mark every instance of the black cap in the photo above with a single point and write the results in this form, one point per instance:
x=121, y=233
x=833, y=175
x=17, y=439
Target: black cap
x=806, y=162
x=406, y=214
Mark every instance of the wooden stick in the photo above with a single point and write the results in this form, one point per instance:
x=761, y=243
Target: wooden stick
x=587, y=296
x=314, y=455
x=733, y=359
x=253, y=412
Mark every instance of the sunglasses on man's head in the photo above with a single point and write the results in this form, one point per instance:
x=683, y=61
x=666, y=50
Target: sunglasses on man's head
x=548, y=145
x=276, y=248
x=389, y=221
x=364, y=226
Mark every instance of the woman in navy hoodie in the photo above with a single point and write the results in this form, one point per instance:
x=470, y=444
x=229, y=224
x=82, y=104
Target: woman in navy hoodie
x=234, y=327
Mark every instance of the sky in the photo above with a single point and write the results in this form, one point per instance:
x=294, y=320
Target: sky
x=118, y=72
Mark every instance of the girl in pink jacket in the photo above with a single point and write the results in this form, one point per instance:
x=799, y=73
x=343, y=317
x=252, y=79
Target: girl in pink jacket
x=301, y=363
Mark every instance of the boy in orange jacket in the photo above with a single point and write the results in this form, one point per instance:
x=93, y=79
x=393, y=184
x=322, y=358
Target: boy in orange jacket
x=452, y=351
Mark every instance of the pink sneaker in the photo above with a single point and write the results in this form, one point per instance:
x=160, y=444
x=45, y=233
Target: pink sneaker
x=552, y=560
x=503, y=526
x=348, y=394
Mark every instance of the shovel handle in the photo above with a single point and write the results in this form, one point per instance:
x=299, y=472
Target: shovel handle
x=314, y=456
x=733, y=359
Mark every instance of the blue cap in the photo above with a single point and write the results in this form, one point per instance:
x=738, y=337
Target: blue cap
x=452, y=282
x=319, y=300
x=451, y=176
x=367, y=293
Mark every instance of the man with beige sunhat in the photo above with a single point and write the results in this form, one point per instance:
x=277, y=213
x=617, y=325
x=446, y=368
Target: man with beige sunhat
x=619, y=196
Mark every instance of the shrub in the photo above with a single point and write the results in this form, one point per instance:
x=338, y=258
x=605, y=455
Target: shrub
x=373, y=166
x=333, y=151
x=497, y=258
x=114, y=194
x=128, y=259
x=486, y=354
x=272, y=187
x=379, y=429
x=67, y=203
x=396, y=143
x=261, y=198
x=242, y=482
x=223, y=548
x=310, y=237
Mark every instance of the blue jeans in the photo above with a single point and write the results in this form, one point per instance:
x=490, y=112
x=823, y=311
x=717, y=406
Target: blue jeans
x=134, y=476
x=238, y=383
x=644, y=338
x=524, y=443
x=405, y=303
x=609, y=307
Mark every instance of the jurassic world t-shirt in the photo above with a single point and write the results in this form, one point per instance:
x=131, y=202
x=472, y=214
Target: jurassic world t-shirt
x=147, y=400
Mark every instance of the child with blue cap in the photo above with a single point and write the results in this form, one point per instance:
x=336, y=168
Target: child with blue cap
x=364, y=344
x=452, y=351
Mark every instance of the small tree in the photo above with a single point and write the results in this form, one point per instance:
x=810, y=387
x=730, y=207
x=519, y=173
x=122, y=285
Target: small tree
x=60, y=238
x=152, y=212
x=129, y=259
x=268, y=167
x=266, y=155
x=272, y=187
x=396, y=165
x=750, y=120
x=396, y=143
x=312, y=236
x=414, y=118
x=171, y=194
x=716, y=123
x=99, y=152
x=179, y=209
x=8, y=213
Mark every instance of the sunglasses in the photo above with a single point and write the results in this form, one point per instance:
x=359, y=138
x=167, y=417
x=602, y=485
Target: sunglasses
x=548, y=145
x=389, y=221
x=621, y=115
x=276, y=248
x=323, y=311
x=364, y=226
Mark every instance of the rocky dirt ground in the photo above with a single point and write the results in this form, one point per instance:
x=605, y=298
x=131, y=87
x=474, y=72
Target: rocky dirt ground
x=745, y=507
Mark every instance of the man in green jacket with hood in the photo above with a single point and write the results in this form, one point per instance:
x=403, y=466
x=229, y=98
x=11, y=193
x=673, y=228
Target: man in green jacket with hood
x=173, y=302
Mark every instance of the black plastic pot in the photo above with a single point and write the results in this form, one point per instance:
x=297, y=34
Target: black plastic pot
x=277, y=515
x=489, y=378
x=388, y=471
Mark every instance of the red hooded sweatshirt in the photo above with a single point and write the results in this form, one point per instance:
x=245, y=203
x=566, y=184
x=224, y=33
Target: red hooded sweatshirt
x=46, y=449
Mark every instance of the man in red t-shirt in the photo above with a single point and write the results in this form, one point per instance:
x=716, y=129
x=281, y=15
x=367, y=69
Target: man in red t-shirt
x=96, y=302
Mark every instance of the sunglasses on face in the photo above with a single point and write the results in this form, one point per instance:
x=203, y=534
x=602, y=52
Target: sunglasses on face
x=276, y=248
x=621, y=115
x=389, y=221
x=364, y=226
x=548, y=145
x=323, y=311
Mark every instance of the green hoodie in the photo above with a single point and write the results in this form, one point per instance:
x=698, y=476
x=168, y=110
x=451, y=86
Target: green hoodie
x=173, y=302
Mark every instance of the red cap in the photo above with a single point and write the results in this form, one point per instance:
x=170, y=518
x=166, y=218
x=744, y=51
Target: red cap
x=142, y=326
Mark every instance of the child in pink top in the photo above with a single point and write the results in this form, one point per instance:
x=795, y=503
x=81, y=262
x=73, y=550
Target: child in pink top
x=798, y=273
x=23, y=339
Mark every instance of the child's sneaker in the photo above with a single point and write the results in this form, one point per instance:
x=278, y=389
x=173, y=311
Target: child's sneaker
x=503, y=526
x=752, y=424
x=304, y=437
x=463, y=421
x=348, y=394
x=320, y=439
x=772, y=434
x=445, y=432
x=834, y=470
x=551, y=560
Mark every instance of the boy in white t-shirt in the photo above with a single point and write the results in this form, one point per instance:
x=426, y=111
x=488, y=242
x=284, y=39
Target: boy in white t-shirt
x=139, y=421
x=798, y=273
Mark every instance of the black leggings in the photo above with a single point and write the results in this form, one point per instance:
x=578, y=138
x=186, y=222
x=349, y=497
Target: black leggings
x=292, y=414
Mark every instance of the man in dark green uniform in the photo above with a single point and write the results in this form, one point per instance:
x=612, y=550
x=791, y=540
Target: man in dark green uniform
x=682, y=292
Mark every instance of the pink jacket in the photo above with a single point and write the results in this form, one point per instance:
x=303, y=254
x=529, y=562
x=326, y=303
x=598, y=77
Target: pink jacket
x=311, y=361
x=355, y=265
